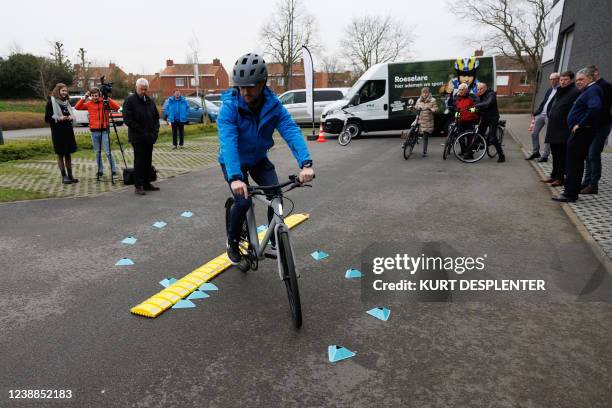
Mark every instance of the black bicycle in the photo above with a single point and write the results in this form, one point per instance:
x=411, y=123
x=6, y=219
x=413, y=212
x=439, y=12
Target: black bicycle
x=475, y=145
x=412, y=137
x=253, y=250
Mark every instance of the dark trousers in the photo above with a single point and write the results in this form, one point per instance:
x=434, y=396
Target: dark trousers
x=463, y=126
x=489, y=130
x=178, y=127
x=558, y=151
x=264, y=174
x=143, y=160
x=577, y=150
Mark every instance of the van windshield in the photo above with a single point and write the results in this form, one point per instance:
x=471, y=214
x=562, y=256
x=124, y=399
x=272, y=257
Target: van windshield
x=354, y=89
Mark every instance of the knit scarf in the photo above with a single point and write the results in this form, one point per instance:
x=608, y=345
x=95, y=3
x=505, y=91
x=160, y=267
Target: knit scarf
x=57, y=110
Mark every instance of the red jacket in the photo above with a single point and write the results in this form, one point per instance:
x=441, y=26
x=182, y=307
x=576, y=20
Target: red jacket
x=97, y=120
x=462, y=104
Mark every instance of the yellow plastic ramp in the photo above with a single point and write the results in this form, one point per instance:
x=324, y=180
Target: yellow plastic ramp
x=164, y=300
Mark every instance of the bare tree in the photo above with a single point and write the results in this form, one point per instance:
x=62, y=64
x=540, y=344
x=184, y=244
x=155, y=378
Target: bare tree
x=370, y=40
x=516, y=28
x=336, y=71
x=290, y=28
x=83, y=72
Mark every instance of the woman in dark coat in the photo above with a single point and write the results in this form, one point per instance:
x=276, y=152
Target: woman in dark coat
x=60, y=115
x=557, y=131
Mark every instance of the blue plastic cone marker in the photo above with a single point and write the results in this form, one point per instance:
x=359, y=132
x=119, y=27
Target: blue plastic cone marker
x=208, y=286
x=337, y=353
x=319, y=255
x=353, y=274
x=159, y=224
x=129, y=240
x=381, y=313
x=183, y=304
x=167, y=282
x=196, y=294
x=124, y=262
x=187, y=214
x=261, y=228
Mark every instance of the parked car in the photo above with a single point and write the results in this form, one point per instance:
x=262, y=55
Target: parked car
x=82, y=116
x=214, y=98
x=196, y=113
x=295, y=102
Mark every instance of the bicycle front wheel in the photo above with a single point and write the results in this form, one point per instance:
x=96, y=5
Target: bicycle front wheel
x=289, y=277
x=345, y=137
x=409, y=146
x=474, y=147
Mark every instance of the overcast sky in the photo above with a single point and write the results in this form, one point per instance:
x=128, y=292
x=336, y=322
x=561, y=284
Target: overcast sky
x=140, y=35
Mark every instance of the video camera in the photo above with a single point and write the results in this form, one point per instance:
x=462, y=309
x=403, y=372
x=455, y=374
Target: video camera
x=105, y=88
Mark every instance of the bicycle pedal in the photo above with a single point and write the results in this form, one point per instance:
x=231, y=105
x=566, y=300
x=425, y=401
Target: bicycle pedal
x=270, y=256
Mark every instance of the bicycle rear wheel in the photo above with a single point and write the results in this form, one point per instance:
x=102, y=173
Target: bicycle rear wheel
x=491, y=150
x=289, y=277
x=474, y=144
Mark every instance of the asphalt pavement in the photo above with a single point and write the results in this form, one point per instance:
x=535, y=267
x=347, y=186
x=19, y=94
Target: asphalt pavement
x=66, y=322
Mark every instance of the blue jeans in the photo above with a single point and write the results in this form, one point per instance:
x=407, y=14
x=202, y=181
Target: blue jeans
x=540, y=122
x=96, y=136
x=263, y=174
x=592, y=168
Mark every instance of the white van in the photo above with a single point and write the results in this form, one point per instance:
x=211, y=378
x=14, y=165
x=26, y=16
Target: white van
x=295, y=102
x=377, y=102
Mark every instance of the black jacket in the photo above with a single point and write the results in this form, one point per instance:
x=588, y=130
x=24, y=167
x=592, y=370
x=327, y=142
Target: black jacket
x=557, y=130
x=488, y=106
x=142, y=119
x=541, y=107
x=606, y=88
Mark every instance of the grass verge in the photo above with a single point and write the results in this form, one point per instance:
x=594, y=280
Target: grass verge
x=13, y=194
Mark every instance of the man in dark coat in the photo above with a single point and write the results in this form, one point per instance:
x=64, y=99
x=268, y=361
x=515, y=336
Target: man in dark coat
x=142, y=119
x=557, y=131
x=592, y=170
x=489, y=118
x=582, y=121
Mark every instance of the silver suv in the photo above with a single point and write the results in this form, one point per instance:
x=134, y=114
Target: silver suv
x=295, y=102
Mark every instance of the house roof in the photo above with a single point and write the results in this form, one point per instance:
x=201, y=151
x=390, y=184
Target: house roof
x=187, y=70
x=276, y=68
x=97, y=72
x=505, y=63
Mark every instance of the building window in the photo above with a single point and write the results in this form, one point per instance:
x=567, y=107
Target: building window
x=192, y=81
x=217, y=82
x=566, y=51
x=524, y=80
x=179, y=81
x=502, y=80
x=92, y=83
x=280, y=81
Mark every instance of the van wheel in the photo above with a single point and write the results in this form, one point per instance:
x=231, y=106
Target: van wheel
x=354, y=128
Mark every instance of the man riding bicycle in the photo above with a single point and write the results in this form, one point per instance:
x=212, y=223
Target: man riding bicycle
x=249, y=115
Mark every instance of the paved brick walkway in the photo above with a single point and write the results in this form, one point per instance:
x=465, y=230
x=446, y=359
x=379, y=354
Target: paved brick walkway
x=594, y=211
x=42, y=176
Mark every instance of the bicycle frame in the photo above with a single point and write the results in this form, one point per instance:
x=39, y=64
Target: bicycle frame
x=277, y=223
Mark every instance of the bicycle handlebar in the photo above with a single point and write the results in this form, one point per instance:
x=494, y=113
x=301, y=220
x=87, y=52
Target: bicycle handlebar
x=263, y=190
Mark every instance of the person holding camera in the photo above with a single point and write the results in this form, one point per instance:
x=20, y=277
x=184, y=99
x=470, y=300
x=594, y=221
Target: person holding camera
x=175, y=114
x=60, y=115
x=141, y=116
x=99, y=114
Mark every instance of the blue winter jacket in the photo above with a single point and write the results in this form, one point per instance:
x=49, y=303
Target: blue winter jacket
x=176, y=110
x=586, y=111
x=244, y=139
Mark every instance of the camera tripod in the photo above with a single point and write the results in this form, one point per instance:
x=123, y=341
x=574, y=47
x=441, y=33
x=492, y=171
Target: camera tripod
x=106, y=110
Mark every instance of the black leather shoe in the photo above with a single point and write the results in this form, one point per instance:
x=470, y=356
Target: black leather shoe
x=139, y=191
x=542, y=159
x=151, y=187
x=533, y=156
x=501, y=159
x=565, y=199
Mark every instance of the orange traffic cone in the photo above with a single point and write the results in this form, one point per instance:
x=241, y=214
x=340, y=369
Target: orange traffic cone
x=321, y=138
